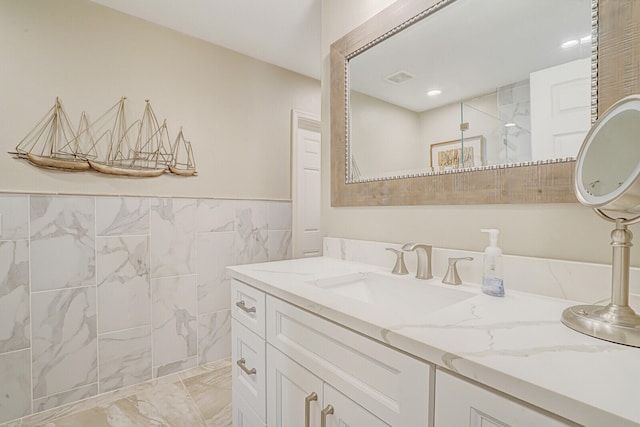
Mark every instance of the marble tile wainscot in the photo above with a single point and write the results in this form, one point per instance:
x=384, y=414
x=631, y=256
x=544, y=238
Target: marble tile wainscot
x=98, y=293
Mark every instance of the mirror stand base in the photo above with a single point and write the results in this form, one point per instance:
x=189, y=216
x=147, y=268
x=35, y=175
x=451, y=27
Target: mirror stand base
x=615, y=323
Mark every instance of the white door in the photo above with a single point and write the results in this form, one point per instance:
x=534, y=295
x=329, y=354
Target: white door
x=560, y=109
x=307, y=236
x=292, y=391
x=341, y=411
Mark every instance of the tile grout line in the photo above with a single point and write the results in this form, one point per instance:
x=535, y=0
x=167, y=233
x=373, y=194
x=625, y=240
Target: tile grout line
x=63, y=289
x=151, y=293
x=117, y=331
x=15, y=351
x=95, y=281
x=67, y=391
x=30, y=305
x=202, y=417
x=195, y=243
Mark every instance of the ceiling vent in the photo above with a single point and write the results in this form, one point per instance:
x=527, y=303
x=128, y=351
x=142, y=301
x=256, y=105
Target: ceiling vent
x=399, y=77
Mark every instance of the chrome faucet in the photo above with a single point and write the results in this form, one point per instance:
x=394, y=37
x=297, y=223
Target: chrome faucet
x=423, y=252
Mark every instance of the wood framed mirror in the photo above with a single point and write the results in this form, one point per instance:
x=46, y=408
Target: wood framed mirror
x=547, y=181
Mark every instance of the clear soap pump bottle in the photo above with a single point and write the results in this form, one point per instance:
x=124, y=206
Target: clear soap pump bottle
x=492, y=278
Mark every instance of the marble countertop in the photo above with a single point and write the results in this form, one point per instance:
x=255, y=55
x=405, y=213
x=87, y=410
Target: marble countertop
x=515, y=344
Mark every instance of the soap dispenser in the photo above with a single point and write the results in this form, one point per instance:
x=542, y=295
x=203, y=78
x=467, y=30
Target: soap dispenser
x=492, y=279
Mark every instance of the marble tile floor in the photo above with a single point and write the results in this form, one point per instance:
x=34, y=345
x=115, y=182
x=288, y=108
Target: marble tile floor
x=197, y=397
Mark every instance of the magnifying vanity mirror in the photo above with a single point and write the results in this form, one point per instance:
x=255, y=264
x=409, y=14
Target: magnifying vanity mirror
x=463, y=101
x=608, y=179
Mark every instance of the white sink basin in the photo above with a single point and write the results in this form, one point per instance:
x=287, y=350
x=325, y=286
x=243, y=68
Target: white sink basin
x=393, y=292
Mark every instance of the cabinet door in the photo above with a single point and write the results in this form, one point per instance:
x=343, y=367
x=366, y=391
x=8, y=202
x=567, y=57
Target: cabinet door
x=460, y=403
x=345, y=412
x=391, y=385
x=248, y=352
x=290, y=389
x=243, y=415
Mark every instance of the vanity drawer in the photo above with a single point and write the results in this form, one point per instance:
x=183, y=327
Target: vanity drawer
x=247, y=306
x=248, y=369
x=391, y=385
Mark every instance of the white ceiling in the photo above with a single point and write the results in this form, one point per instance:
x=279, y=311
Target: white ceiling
x=281, y=32
x=481, y=45
x=473, y=47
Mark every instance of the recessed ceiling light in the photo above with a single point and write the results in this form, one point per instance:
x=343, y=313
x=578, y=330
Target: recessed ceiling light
x=434, y=92
x=509, y=125
x=585, y=39
x=569, y=43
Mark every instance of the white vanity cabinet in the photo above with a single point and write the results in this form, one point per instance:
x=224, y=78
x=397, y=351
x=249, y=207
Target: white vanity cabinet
x=296, y=397
x=460, y=403
x=361, y=379
x=248, y=353
x=292, y=368
x=303, y=364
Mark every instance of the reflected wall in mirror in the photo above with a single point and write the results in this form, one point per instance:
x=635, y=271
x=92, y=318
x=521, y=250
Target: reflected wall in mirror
x=497, y=82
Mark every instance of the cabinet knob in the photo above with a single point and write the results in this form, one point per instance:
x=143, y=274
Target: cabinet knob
x=307, y=407
x=323, y=418
x=242, y=306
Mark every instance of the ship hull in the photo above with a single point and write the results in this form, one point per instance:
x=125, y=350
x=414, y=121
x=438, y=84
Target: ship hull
x=182, y=172
x=75, y=165
x=121, y=171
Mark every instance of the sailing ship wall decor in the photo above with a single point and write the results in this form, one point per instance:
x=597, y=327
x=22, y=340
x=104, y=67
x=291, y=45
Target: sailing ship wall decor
x=109, y=145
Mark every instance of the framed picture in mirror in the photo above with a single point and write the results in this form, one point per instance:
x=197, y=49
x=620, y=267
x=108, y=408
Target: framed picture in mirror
x=457, y=154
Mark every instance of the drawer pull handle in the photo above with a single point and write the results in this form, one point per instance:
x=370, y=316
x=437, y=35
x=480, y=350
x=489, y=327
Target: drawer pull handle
x=326, y=411
x=241, y=305
x=241, y=363
x=307, y=407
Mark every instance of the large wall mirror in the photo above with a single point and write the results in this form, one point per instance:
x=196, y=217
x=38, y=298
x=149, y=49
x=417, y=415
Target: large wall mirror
x=475, y=84
x=468, y=101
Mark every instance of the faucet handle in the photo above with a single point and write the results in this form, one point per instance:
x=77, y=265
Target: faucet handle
x=399, y=267
x=452, y=277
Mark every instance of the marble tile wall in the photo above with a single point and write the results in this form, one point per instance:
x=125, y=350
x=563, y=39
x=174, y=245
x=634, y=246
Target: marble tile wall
x=100, y=293
x=514, y=106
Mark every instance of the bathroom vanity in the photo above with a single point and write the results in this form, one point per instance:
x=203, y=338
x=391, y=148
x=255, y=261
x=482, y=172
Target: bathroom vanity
x=327, y=342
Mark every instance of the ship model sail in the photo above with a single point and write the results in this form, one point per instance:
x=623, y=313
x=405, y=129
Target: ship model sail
x=183, y=161
x=147, y=158
x=53, y=143
x=109, y=145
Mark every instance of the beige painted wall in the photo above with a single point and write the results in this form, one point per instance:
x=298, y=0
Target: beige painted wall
x=387, y=137
x=563, y=231
x=235, y=110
